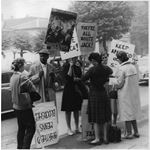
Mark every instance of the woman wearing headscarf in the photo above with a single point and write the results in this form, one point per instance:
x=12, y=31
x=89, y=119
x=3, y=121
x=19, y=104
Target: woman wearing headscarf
x=128, y=94
x=22, y=104
x=98, y=107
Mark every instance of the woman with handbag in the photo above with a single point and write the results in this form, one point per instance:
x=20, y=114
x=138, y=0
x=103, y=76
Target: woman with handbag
x=72, y=98
x=98, y=106
x=22, y=104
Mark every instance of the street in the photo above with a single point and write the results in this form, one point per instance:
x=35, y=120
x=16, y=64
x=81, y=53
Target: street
x=9, y=126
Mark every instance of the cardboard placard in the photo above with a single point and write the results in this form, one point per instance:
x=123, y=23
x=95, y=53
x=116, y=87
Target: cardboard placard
x=45, y=115
x=87, y=128
x=60, y=28
x=117, y=46
x=87, y=36
x=74, y=50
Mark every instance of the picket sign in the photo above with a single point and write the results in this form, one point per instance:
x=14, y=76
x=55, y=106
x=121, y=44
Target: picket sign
x=45, y=115
x=86, y=33
x=74, y=50
x=115, y=47
x=87, y=128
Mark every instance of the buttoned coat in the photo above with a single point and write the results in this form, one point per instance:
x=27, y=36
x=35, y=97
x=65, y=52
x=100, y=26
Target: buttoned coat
x=128, y=92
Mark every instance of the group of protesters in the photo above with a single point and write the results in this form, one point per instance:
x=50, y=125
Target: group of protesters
x=103, y=102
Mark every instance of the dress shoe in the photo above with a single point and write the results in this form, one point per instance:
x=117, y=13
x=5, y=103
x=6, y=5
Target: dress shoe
x=95, y=142
x=128, y=136
x=70, y=132
x=136, y=135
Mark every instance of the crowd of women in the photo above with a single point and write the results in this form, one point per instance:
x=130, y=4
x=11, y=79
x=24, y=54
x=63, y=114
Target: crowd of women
x=105, y=102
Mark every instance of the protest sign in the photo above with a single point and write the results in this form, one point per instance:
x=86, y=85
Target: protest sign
x=87, y=128
x=87, y=36
x=45, y=115
x=60, y=28
x=117, y=46
x=74, y=50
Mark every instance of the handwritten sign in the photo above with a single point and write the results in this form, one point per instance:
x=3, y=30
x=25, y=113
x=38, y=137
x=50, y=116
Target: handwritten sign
x=74, y=50
x=60, y=28
x=117, y=46
x=87, y=128
x=46, y=124
x=87, y=36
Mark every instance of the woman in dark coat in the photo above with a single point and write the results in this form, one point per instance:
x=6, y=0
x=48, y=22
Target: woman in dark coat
x=98, y=108
x=72, y=99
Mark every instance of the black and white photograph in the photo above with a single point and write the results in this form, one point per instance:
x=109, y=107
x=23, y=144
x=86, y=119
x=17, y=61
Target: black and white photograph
x=74, y=74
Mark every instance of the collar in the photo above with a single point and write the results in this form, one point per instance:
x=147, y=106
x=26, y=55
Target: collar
x=43, y=65
x=126, y=62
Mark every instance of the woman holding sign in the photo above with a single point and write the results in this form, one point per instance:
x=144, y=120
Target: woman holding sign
x=128, y=94
x=72, y=98
x=98, y=107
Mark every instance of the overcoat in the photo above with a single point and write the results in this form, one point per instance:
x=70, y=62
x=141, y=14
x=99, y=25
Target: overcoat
x=128, y=92
x=45, y=87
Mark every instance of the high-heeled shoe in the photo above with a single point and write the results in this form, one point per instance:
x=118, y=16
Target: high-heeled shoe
x=128, y=136
x=70, y=132
x=95, y=142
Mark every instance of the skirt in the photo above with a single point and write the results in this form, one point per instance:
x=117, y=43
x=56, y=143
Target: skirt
x=99, y=107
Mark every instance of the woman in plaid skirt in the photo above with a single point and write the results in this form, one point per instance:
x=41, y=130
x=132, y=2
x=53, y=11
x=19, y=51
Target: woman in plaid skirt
x=98, y=107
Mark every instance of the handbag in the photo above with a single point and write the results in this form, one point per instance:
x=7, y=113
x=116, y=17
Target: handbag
x=34, y=96
x=28, y=87
x=80, y=87
x=114, y=134
x=113, y=94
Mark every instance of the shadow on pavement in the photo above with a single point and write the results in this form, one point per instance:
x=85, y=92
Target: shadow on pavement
x=71, y=142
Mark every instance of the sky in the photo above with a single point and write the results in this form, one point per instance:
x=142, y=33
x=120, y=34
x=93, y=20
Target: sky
x=35, y=8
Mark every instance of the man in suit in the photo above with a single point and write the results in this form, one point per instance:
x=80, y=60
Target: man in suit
x=43, y=76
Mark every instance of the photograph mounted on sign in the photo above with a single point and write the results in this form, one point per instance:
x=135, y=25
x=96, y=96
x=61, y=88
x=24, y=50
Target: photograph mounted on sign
x=87, y=37
x=60, y=28
x=74, y=50
x=117, y=46
x=53, y=49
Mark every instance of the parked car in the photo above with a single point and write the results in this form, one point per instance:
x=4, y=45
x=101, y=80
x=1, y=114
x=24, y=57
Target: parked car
x=143, y=68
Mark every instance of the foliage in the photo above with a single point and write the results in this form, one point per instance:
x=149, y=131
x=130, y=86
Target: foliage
x=139, y=29
x=38, y=42
x=6, y=41
x=16, y=40
x=22, y=42
x=113, y=18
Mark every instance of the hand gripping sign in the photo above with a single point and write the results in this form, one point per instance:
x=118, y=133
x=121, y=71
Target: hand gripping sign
x=45, y=115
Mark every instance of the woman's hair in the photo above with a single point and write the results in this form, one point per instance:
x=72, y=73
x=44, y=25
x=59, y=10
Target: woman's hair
x=96, y=56
x=17, y=64
x=122, y=56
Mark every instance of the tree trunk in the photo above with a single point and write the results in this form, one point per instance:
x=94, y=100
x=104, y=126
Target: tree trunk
x=104, y=44
x=21, y=53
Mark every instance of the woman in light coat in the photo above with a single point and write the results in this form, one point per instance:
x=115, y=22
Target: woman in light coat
x=128, y=94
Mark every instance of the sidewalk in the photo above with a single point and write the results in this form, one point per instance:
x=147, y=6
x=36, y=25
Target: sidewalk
x=8, y=140
x=75, y=141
